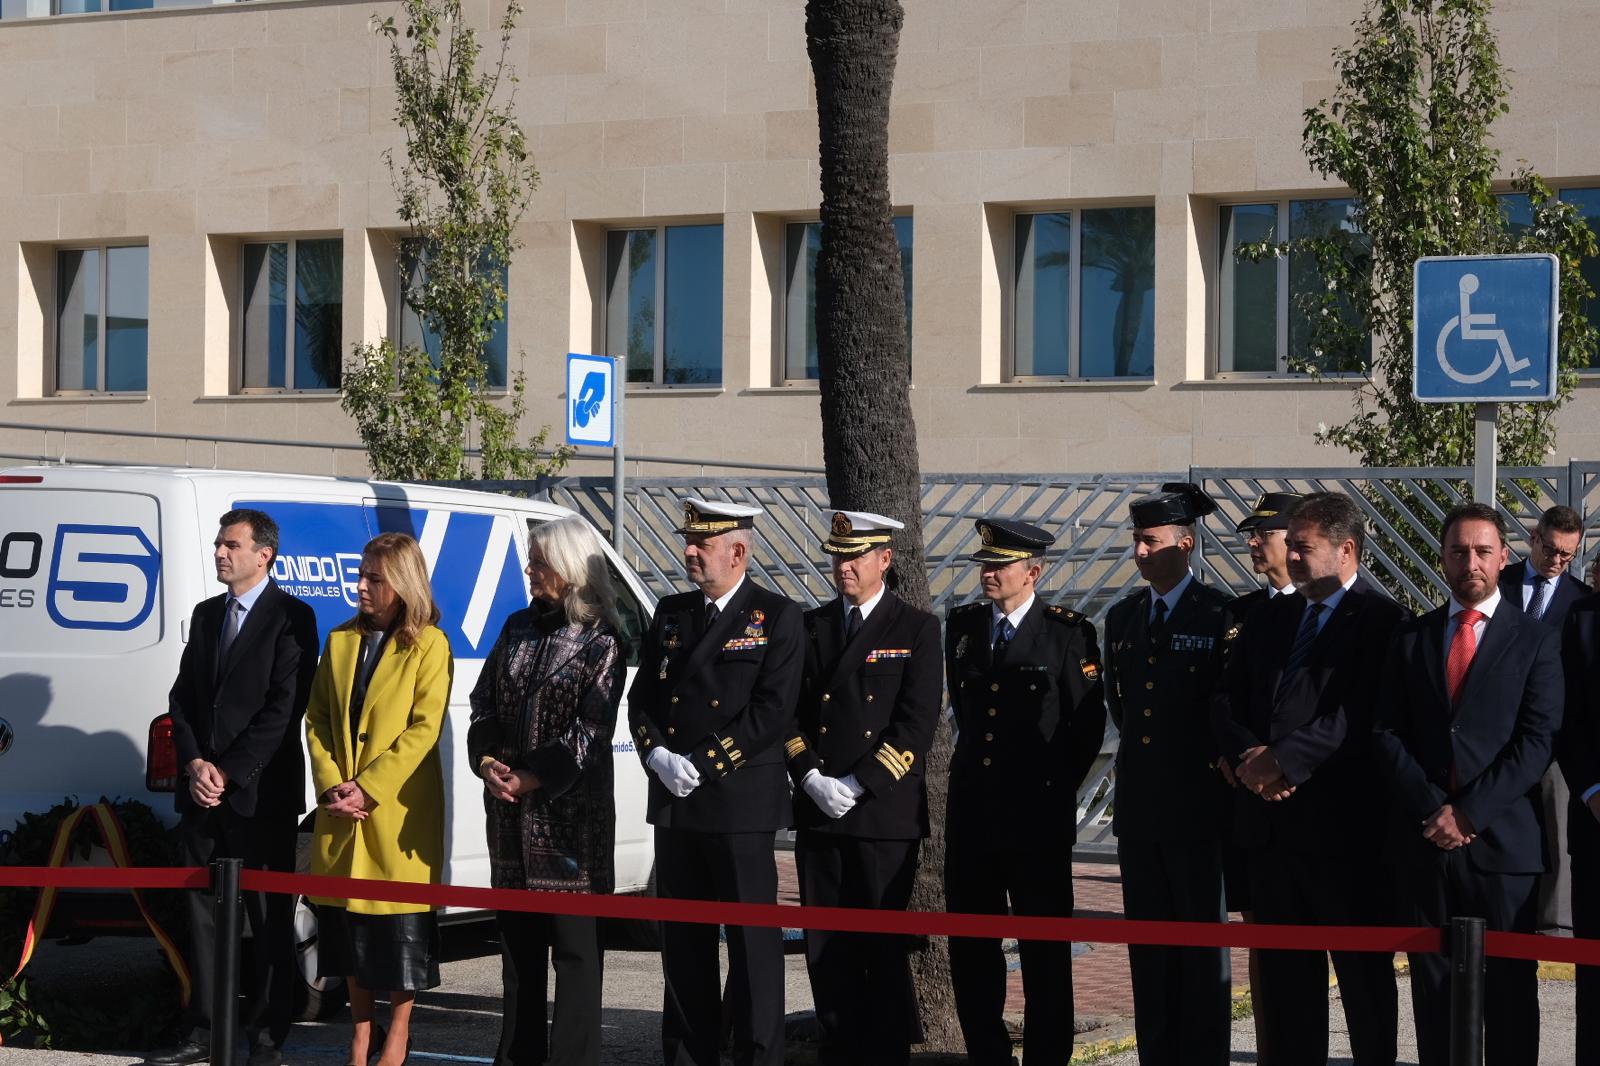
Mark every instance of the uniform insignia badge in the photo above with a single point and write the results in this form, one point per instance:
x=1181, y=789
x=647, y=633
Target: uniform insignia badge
x=671, y=636
x=757, y=619
x=986, y=534
x=664, y=661
x=879, y=654
x=1091, y=670
x=1233, y=631
x=841, y=524
x=961, y=648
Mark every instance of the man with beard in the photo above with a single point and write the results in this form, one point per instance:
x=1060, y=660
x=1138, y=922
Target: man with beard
x=1164, y=659
x=1470, y=702
x=869, y=702
x=1294, y=719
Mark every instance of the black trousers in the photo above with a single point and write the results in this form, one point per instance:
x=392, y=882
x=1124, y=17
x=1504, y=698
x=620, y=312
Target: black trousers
x=1036, y=882
x=1442, y=886
x=730, y=867
x=263, y=842
x=1181, y=1006
x=572, y=943
x=860, y=982
x=1297, y=888
x=1585, y=860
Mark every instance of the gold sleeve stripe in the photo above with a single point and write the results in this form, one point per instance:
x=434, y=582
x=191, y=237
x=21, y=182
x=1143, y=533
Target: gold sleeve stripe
x=794, y=746
x=890, y=764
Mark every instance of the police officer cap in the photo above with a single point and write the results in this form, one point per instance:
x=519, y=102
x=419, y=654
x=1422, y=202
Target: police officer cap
x=716, y=516
x=1005, y=541
x=1178, y=503
x=853, y=532
x=1270, y=512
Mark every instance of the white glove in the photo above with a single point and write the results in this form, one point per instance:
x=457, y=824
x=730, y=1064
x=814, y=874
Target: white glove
x=830, y=793
x=675, y=771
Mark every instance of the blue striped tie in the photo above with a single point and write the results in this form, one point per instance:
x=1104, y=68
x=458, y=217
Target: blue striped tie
x=1305, y=638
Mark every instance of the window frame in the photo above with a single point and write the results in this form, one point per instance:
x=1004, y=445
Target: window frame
x=659, y=325
x=102, y=249
x=290, y=307
x=1283, y=308
x=1074, y=298
x=781, y=368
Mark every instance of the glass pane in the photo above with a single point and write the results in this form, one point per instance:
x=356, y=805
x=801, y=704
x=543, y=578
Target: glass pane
x=416, y=332
x=631, y=300
x=1248, y=331
x=1517, y=210
x=266, y=317
x=693, y=340
x=318, y=313
x=802, y=242
x=1336, y=219
x=494, y=349
x=127, y=319
x=1116, y=331
x=76, y=7
x=1588, y=203
x=78, y=320
x=902, y=233
x=1044, y=260
x=131, y=5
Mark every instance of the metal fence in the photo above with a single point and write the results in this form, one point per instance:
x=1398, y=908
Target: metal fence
x=1091, y=565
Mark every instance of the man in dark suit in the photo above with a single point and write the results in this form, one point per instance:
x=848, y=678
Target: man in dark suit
x=1294, y=719
x=869, y=702
x=1541, y=588
x=1467, y=714
x=1026, y=694
x=1166, y=646
x=237, y=708
x=709, y=709
x=1578, y=751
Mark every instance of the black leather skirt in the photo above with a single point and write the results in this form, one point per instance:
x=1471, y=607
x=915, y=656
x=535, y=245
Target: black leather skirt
x=385, y=952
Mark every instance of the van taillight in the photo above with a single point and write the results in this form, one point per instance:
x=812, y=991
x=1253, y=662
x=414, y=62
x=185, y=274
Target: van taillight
x=20, y=479
x=161, y=760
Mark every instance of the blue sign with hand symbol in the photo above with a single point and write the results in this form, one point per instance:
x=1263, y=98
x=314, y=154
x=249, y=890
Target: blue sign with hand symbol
x=591, y=400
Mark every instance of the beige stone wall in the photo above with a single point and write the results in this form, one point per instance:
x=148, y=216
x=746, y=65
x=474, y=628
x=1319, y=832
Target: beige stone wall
x=197, y=129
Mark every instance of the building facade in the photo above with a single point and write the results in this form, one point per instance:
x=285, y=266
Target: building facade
x=197, y=223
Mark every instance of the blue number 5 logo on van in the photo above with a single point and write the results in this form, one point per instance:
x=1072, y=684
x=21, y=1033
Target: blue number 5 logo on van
x=102, y=577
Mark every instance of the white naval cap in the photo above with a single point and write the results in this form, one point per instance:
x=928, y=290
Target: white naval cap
x=853, y=532
x=716, y=516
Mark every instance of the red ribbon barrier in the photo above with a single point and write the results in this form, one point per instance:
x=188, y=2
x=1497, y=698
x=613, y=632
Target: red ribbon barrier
x=845, y=919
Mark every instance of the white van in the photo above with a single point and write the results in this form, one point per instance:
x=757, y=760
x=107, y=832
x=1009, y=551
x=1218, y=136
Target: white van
x=101, y=566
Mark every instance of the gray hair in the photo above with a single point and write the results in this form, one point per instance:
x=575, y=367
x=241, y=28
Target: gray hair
x=571, y=548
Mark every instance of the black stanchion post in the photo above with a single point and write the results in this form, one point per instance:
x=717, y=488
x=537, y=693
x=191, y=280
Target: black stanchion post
x=229, y=911
x=1465, y=948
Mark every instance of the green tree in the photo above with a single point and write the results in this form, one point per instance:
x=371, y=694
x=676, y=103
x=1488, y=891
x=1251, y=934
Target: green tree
x=463, y=184
x=1408, y=132
x=869, y=437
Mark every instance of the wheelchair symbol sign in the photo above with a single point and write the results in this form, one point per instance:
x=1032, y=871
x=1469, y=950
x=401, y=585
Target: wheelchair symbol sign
x=1485, y=328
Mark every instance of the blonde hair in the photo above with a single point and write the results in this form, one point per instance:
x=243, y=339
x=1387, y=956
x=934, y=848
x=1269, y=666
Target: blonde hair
x=571, y=549
x=400, y=558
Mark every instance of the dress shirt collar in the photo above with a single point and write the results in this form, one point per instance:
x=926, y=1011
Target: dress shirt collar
x=1015, y=617
x=1173, y=595
x=865, y=608
x=248, y=598
x=1274, y=591
x=723, y=600
x=1486, y=608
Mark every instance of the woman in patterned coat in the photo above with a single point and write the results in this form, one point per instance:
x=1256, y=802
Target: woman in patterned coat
x=543, y=713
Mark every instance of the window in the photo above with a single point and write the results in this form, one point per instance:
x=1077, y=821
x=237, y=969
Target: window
x=313, y=322
x=802, y=242
x=663, y=303
x=413, y=331
x=102, y=319
x=1082, y=294
x=1263, y=326
x=1518, y=211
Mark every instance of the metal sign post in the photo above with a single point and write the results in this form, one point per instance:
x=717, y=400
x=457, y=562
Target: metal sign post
x=594, y=418
x=1485, y=333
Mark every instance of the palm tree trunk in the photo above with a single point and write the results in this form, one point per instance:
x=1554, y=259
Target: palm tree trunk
x=869, y=438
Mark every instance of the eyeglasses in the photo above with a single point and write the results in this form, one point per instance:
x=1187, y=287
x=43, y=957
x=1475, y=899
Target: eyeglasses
x=1554, y=553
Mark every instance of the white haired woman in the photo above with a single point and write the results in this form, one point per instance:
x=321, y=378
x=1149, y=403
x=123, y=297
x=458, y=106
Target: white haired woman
x=543, y=712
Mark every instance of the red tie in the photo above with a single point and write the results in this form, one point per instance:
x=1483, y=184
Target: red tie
x=1463, y=646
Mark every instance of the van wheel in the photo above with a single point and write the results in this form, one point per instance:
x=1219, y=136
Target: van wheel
x=315, y=998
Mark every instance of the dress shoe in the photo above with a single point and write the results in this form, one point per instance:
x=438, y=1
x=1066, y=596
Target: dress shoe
x=180, y=1054
x=265, y=1053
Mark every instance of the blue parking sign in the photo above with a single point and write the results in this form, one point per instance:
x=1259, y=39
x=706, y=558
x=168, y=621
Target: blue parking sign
x=1485, y=328
x=591, y=400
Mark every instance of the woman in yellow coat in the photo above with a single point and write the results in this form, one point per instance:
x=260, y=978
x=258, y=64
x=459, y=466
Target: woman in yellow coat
x=372, y=728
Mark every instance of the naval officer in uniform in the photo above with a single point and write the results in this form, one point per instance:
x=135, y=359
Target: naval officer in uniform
x=1163, y=662
x=870, y=698
x=709, y=709
x=1025, y=691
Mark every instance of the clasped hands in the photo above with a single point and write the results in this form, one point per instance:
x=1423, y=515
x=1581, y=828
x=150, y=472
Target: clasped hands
x=1259, y=772
x=835, y=795
x=1448, y=828
x=676, y=772
x=206, y=783
x=346, y=800
x=504, y=783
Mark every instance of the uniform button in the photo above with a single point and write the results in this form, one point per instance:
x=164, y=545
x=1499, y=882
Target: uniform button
x=986, y=762
x=673, y=729
x=1191, y=669
x=1151, y=660
x=1149, y=684
x=993, y=712
x=822, y=729
x=869, y=697
x=1148, y=712
x=867, y=734
x=1033, y=688
x=716, y=703
x=1146, y=739
x=674, y=699
x=988, y=736
x=362, y=737
x=994, y=686
x=963, y=684
x=1047, y=784
x=826, y=697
